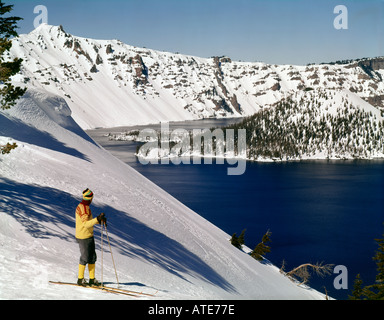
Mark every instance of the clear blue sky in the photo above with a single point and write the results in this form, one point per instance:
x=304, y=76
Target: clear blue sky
x=272, y=31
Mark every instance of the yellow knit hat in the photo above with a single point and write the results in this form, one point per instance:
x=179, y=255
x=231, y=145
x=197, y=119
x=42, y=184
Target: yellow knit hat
x=87, y=194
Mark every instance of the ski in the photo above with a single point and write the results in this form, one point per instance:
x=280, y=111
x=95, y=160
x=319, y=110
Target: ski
x=109, y=290
x=131, y=291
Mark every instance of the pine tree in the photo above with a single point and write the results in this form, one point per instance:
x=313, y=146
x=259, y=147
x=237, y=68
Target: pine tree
x=261, y=249
x=357, y=289
x=8, y=92
x=374, y=291
x=235, y=241
x=241, y=238
x=379, y=258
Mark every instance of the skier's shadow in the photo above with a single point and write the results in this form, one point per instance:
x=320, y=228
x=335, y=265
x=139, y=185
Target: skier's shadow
x=43, y=212
x=133, y=238
x=47, y=213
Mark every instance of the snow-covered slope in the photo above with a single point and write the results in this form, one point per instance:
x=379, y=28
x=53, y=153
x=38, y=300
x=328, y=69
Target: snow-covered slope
x=109, y=83
x=157, y=243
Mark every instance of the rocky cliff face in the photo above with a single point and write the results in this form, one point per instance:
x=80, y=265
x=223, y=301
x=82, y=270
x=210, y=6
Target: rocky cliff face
x=146, y=86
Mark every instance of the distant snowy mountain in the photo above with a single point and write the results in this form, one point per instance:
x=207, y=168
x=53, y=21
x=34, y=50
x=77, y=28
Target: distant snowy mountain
x=109, y=83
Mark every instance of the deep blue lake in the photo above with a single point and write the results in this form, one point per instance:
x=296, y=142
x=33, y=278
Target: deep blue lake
x=317, y=211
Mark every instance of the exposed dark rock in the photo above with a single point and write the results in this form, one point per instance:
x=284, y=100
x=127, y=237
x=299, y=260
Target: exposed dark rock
x=99, y=60
x=276, y=87
x=109, y=49
x=94, y=69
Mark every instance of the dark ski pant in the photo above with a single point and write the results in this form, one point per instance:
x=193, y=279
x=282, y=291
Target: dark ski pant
x=87, y=251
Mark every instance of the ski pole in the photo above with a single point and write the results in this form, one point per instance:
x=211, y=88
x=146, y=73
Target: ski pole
x=101, y=240
x=110, y=249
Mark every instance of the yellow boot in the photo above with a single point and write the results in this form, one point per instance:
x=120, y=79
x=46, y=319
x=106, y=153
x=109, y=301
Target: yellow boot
x=80, y=280
x=91, y=269
x=92, y=280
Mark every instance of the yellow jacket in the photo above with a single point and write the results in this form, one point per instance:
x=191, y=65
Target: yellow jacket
x=84, y=221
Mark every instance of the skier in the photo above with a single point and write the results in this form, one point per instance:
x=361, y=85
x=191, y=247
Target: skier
x=84, y=236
